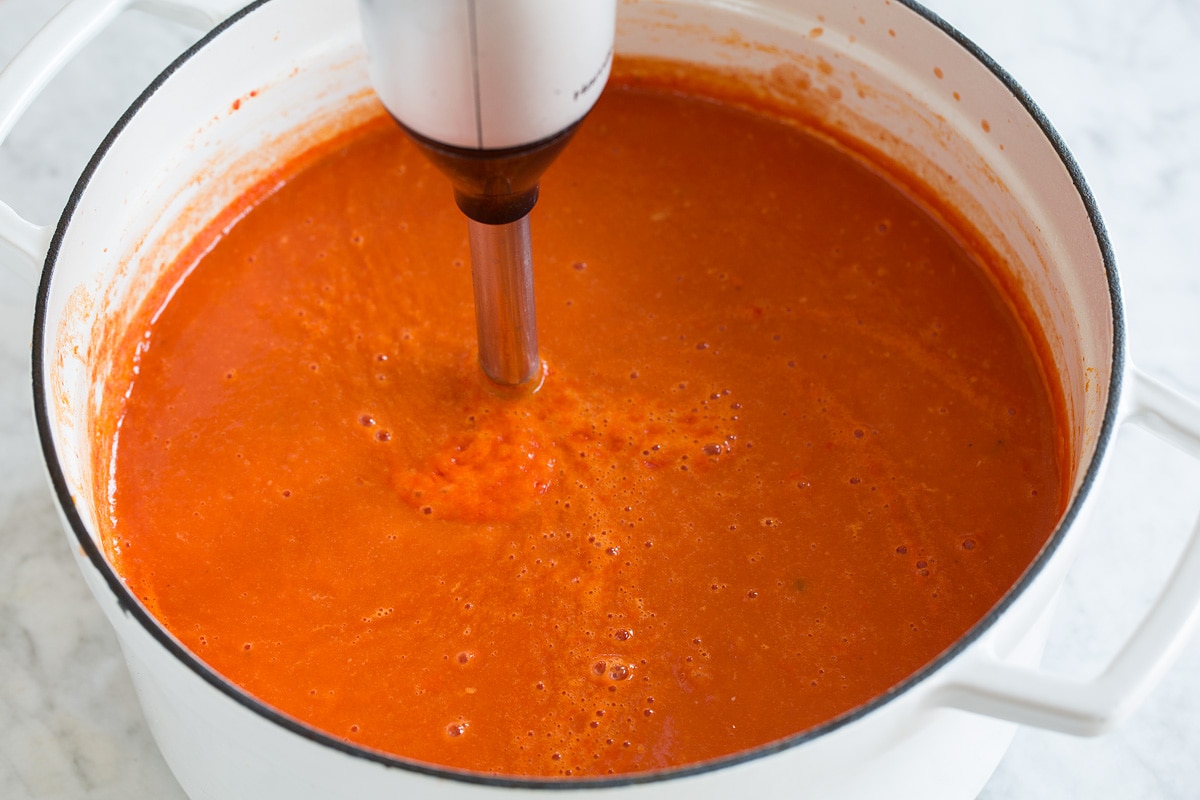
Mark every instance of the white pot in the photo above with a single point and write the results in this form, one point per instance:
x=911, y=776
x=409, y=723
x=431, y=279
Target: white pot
x=283, y=73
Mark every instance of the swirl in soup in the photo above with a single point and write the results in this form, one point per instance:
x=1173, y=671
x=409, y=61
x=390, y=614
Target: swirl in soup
x=791, y=442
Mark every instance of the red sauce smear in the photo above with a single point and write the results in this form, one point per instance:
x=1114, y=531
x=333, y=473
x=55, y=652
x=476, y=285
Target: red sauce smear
x=791, y=444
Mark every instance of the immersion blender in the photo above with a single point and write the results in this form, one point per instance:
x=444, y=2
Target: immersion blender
x=491, y=91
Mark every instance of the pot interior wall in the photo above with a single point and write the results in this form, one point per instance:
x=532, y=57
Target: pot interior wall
x=278, y=80
x=262, y=90
x=893, y=81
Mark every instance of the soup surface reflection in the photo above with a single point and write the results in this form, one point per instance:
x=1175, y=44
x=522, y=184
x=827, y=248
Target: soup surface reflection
x=791, y=443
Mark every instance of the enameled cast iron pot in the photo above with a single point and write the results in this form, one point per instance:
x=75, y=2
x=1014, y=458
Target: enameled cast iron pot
x=281, y=74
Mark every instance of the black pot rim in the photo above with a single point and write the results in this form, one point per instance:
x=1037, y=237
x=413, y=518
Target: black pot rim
x=131, y=607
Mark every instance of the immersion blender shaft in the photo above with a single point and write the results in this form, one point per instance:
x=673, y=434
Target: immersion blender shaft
x=502, y=273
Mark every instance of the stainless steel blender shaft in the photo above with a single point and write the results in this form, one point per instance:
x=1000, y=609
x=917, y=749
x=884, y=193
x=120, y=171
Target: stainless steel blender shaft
x=502, y=273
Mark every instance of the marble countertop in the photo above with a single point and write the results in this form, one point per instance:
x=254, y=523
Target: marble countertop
x=1120, y=82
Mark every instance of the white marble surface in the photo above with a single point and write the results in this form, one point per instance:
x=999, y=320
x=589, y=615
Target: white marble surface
x=1121, y=82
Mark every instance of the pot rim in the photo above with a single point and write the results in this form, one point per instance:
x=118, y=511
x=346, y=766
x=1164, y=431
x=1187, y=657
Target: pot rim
x=130, y=606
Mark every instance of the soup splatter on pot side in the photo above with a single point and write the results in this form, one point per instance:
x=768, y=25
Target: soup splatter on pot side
x=792, y=442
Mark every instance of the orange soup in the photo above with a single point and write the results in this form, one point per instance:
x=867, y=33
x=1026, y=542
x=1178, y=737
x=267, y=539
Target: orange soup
x=792, y=441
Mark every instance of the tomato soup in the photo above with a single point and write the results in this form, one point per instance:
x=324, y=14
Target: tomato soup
x=791, y=441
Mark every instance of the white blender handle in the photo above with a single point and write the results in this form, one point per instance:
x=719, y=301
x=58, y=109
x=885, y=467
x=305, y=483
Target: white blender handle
x=491, y=91
x=67, y=32
x=489, y=74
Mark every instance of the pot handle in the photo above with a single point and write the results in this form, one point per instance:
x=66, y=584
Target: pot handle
x=1031, y=696
x=23, y=79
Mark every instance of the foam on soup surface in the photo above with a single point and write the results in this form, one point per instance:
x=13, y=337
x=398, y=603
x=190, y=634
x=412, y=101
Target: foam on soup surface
x=791, y=443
